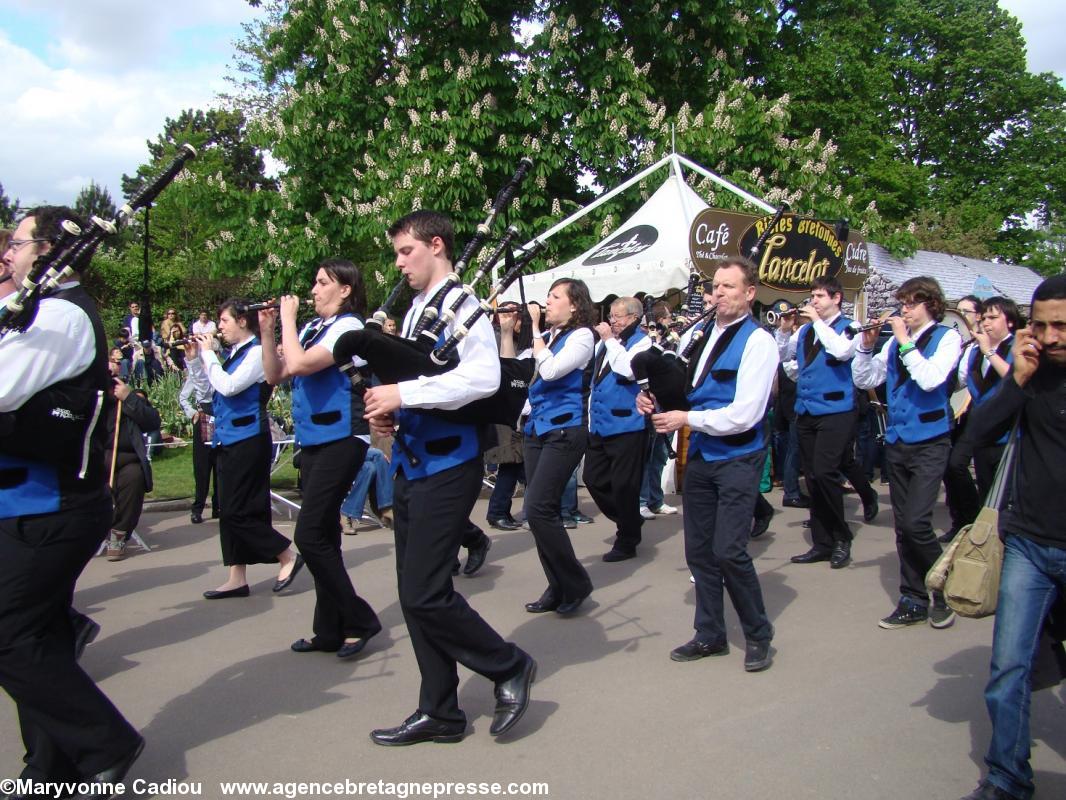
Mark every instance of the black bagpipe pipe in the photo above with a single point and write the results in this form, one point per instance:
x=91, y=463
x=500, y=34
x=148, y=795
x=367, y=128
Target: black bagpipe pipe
x=74, y=249
x=663, y=375
x=393, y=359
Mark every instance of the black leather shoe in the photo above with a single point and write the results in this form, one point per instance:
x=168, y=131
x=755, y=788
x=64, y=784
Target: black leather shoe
x=571, y=606
x=308, y=646
x=112, y=775
x=812, y=556
x=512, y=698
x=419, y=728
x=216, y=594
x=505, y=524
x=547, y=602
x=841, y=556
x=282, y=585
x=695, y=650
x=196, y=517
x=475, y=558
x=619, y=554
x=757, y=656
x=870, y=510
x=761, y=525
x=800, y=502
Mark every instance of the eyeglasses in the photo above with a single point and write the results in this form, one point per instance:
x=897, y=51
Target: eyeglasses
x=14, y=245
x=912, y=303
x=613, y=318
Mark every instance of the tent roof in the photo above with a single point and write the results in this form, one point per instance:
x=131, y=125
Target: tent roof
x=655, y=269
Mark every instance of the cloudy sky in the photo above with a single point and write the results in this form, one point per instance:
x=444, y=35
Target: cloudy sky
x=85, y=83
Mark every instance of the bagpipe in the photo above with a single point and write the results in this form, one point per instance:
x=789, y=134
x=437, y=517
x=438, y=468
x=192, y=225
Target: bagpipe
x=393, y=358
x=663, y=374
x=74, y=248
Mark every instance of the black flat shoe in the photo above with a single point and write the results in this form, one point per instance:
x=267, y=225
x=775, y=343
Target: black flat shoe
x=351, y=649
x=282, y=584
x=307, y=646
x=222, y=594
x=196, y=518
x=419, y=728
x=547, y=602
x=570, y=606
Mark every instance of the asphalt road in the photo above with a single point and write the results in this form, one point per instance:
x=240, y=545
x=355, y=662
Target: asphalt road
x=847, y=711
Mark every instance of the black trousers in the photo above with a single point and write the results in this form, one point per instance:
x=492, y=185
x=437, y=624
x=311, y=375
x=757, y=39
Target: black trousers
x=719, y=502
x=614, y=471
x=69, y=727
x=327, y=471
x=962, y=494
x=245, y=530
x=914, y=474
x=824, y=441
x=203, y=467
x=431, y=516
x=127, y=492
x=550, y=461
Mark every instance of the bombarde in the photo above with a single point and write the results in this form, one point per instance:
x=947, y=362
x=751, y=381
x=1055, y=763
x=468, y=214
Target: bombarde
x=273, y=303
x=877, y=324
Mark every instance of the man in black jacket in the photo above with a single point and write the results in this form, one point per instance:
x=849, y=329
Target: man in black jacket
x=1034, y=565
x=131, y=470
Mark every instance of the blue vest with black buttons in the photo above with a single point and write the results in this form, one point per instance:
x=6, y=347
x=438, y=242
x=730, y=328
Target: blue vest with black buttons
x=824, y=385
x=613, y=409
x=718, y=390
x=243, y=415
x=558, y=403
x=915, y=415
x=324, y=407
x=439, y=444
x=982, y=386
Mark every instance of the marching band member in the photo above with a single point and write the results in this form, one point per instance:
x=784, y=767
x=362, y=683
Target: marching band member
x=917, y=364
x=333, y=437
x=825, y=417
x=731, y=375
x=243, y=452
x=432, y=501
x=618, y=435
x=55, y=509
x=556, y=435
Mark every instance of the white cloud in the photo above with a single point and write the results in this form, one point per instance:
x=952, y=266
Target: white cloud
x=105, y=82
x=1044, y=29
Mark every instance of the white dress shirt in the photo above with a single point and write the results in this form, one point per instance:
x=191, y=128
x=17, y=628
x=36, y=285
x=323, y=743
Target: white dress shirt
x=246, y=373
x=836, y=345
x=619, y=359
x=870, y=371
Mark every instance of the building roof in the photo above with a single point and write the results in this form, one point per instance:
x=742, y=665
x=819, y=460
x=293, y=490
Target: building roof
x=957, y=274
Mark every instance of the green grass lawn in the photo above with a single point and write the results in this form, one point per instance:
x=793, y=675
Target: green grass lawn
x=172, y=473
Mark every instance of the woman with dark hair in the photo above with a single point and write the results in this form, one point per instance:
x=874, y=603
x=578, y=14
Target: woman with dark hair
x=556, y=434
x=333, y=439
x=243, y=449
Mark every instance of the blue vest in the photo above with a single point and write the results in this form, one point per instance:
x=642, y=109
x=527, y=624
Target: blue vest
x=242, y=415
x=324, y=407
x=52, y=453
x=982, y=386
x=560, y=403
x=439, y=444
x=613, y=409
x=718, y=390
x=915, y=415
x=824, y=385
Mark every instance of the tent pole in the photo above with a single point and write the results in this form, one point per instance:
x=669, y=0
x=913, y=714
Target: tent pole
x=769, y=209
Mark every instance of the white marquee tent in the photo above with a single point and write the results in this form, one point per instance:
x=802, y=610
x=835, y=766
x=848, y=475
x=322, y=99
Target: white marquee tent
x=648, y=253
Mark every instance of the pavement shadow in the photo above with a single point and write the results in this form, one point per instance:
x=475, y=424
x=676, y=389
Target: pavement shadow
x=298, y=685
x=132, y=576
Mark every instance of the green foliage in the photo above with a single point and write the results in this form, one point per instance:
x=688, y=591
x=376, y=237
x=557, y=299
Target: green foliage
x=8, y=209
x=163, y=395
x=95, y=200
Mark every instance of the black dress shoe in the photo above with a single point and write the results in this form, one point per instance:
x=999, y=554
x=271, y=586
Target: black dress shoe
x=869, y=511
x=841, y=556
x=282, y=584
x=309, y=646
x=419, y=728
x=512, y=698
x=547, y=602
x=196, y=517
x=619, y=554
x=571, y=606
x=757, y=656
x=505, y=524
x=475, y=558
x=761, y=525
x=799, y=502
x=222, y=594
x=112, y=775
x=812, y=556
x=695, y=650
